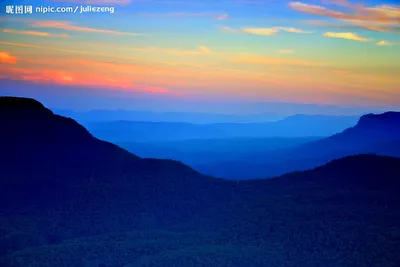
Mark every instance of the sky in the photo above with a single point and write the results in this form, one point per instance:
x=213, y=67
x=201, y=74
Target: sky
x=174, y=53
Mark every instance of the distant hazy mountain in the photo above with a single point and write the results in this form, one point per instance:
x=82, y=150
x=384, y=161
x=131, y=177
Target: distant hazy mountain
x=294, y=126
x=188, y=117
x=378, y=134
x=73, y=200
x=208, y=151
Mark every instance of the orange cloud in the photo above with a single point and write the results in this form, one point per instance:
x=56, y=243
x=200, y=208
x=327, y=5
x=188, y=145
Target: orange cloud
x=68, y=26
x=6, y=58
x=263, y=31
x=36, y=33
x=377, y=18
x=107, y=55
x=259, y=60
x=143, y=73
x=318, y=10
x=346, y=35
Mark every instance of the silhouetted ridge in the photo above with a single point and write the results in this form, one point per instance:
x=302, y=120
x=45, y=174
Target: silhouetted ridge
x=33, y=140
x=29, y=121
x=385, y=118
x=20, y=103
x=359, y=171
x=370, y=130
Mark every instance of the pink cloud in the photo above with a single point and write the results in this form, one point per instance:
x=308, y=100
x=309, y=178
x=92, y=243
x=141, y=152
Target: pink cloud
x=376, y=18
x=61, y=77
x=272, y=31
x=337, y=2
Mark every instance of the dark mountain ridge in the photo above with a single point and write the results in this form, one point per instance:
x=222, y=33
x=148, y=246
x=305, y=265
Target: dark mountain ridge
x=26, y=123
x=91, y=204
x=371, y=129
x=373, y=134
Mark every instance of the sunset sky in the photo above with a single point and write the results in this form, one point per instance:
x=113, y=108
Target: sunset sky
x=327, y=52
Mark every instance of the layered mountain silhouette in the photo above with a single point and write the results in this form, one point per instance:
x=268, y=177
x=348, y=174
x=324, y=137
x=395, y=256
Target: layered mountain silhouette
x=373, y=134
x=73, y=200
x=148, y=131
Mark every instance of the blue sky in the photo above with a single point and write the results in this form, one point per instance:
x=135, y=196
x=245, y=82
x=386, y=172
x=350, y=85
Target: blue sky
x=328, y=52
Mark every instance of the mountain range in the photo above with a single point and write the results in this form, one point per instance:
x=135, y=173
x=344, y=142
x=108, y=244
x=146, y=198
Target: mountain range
x=244, y=155
x=187, y=117
x=148, y=131
x=74, y=200
x=373, y=134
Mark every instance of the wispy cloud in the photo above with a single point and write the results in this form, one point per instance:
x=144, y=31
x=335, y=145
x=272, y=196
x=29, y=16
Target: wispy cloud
x=340, y=72
x=293, y=30
x=72, y=51
x=348, y=25
x=7, y=58
x=286, y=51
x=263, y=31
x=230, y=30
x=113, y=69
x=253, y=2
x=68, y=26
x=213, y=15
x=201, y=50
x=260, y=60
x=337, y=2
x=106, y=54
x=346, y=35
x=35, y=33
x=386, y=43
x=376, y=18
x=71, y=78
x=222, y=17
